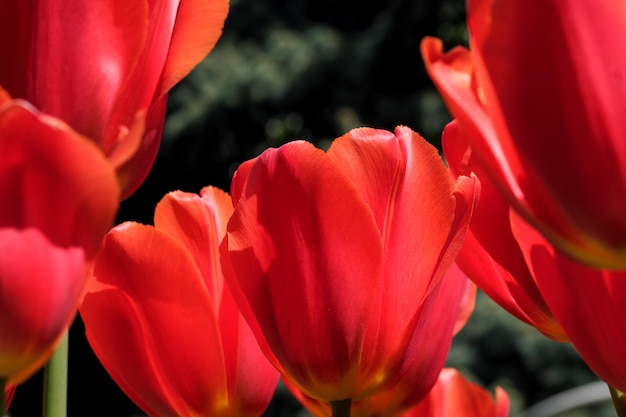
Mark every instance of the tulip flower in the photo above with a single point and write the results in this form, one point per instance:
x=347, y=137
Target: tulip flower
x=491, y=256
x=59, y=197
x=336, y=259
x=417, y=380
x=161, y=321
x=587, y=302
x=521, y=271
x=105, y=67
x=540, y=98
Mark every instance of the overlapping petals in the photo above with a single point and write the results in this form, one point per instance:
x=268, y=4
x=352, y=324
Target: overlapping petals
x=540, y=98
x=105, y=67
x=418, y=378
x=163, y=324
x=491, y=256
x=59, y=196
x=335, y=259
x=587, y=302
x=522, y=271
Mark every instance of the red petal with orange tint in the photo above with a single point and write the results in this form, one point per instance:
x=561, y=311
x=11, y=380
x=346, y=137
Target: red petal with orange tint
x=453, y=395
x=149, y=333
x=40, y=287
x=180, y=33
x=443, y=312
x=108, y=66
x=566, y=115
x=239, y=179
x=300, y=243
x=58, y=182
x=402, y=178
x=199, y=224
x=196, y=31
x=70, y=58
x=61, y=197
x=251, y=378
x=521, y=117
x=454, y=75
x=587, y=302
x=491, y=256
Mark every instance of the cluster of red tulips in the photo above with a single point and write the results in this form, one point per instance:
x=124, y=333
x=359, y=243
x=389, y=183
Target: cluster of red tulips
x=344, y=272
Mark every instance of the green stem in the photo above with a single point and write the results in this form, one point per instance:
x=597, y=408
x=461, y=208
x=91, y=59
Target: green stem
x=619, y=402
x=341, y=408
x=55, y=381
x=3, y=386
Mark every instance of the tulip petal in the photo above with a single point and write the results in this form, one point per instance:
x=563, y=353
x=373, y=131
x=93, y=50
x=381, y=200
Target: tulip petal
x=443, y=312
x=86, y=48
x=219, y=202
x=490, y=255
x=401, y=177
x=531, y=123
x=252, y=379
x=134, y=302
x=306, y=255
x=40, y=287
x=467, y=303
x=457, y=78
x=453, y=395
x=198, y=223
x=454, y=76
x=196, y=31
x=587, y=302
x=57, y=181
x=5, y=97
x=179, y=35
x=577, y=100
x=239, y=179
x=429, y=346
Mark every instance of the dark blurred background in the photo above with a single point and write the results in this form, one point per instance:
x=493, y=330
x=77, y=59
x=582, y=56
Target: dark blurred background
x=314, y=69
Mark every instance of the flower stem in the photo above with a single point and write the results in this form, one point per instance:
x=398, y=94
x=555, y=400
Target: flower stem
x=341, y=408
x=55, y=381
x=619, y=401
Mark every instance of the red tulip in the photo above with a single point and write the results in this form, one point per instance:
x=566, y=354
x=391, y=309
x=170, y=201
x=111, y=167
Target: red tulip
x=163, y=324
x=59, y=197
x=105, y=67
x=491, y=256
x=417, y=379
x=336, y=259
x=453, y=395
x=587, y=302
x=523, y=273
x=541, y=99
